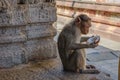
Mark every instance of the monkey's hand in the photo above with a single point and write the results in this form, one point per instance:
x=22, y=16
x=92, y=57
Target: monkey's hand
x=93, y=40
x=92, y=45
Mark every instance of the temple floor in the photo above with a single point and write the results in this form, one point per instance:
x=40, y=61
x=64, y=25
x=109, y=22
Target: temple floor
x=52, y=69
x=45, y=70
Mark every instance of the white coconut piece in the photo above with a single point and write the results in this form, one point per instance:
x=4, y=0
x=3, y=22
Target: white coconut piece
x=97, y=39
x=93, y=40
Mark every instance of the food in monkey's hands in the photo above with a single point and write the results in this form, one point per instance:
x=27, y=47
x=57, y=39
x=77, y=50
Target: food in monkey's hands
x=93, y=40
x=97, y=39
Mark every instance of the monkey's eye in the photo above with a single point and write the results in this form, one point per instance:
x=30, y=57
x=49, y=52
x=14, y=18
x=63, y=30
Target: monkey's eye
x=89, y=23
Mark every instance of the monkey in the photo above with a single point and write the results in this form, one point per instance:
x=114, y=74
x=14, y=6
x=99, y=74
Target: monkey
x=70, y=46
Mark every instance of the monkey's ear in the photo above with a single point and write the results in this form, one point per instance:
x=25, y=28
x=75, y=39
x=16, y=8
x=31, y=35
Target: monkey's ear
x=78, y=20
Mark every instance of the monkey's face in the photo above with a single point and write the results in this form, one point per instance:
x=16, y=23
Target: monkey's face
x=84, y=27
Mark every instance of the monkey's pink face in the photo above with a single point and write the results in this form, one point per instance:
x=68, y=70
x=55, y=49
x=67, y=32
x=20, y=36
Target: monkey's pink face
x=85, y=27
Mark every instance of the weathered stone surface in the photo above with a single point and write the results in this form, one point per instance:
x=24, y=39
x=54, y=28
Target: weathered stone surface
x=19, y=16
x=12, y=34
x=24, y=14
x=41, y=49
x=40, y=30
x=26, y=31
x=34, y=1
x=42, y=13
x=4, y=18
x=46, y=70
x=11, y=54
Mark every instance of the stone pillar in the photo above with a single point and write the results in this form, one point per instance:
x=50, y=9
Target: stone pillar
x=26, y=31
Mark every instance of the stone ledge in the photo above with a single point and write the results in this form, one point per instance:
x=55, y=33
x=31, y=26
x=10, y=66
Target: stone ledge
x=24, y=33
x=94, y=2
x=41, y=49
x=23, y=15
x=12, y=39
x=103, y=17
x=114, y=9
x=11, y=55
x=35, y=31
x=30, y=50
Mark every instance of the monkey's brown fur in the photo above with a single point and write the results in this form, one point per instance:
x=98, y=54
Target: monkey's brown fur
x=71, y=50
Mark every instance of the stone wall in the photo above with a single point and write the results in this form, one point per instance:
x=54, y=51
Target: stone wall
x=105, y=17
x=26, y=31
x=104, y=1
x=99, y=1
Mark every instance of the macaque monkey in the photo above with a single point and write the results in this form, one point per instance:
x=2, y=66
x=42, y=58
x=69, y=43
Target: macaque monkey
x=71, y=48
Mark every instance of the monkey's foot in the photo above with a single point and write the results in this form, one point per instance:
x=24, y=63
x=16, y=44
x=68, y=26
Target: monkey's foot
x=68, y=70
x=92, y=71
x=90, y=67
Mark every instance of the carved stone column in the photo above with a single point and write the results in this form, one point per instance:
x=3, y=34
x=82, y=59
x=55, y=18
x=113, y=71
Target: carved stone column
x=26, y=31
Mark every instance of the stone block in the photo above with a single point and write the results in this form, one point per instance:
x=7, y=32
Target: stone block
x=12, y=39
x=41, y=49
x=24, y=14
x=40, y=30
x=11, y=54
x=4, y=19
x=12, y=34
x=19, y=16
x=42, y=13
x=6, y=62
x=35, y=1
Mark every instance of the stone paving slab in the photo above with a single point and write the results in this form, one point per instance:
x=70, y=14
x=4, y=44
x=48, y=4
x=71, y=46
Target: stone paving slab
x=100, y=56
x=45, y=70
x=106, y=65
